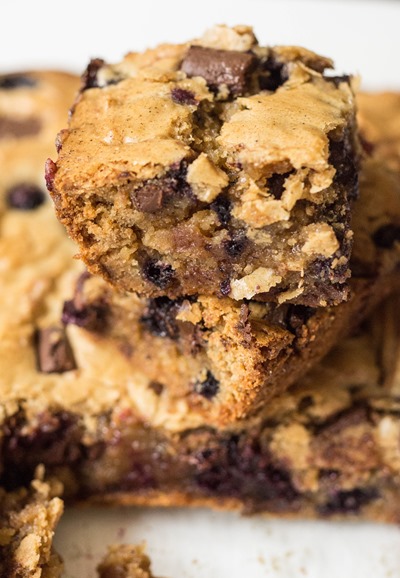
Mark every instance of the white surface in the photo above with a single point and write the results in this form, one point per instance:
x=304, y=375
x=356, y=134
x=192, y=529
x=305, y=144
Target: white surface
x=361, y=36
x=201, y=544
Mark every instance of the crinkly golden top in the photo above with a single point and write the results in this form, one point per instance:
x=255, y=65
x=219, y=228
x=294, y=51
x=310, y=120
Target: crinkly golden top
x=268, y=109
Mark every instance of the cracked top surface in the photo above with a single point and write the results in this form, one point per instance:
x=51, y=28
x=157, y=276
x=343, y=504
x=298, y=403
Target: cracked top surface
x=156, y=139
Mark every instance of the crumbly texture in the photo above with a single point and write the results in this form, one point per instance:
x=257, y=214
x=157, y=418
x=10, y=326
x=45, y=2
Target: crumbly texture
x=327, y=449
x=216, y=167
x=74, y=343
x=71, y=401
x=28, y=518
x=125, y=561
x=379, y=120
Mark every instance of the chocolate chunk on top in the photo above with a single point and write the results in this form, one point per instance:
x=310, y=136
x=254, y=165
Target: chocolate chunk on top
x=219, y=67
x=25, y=197
x=54, y=353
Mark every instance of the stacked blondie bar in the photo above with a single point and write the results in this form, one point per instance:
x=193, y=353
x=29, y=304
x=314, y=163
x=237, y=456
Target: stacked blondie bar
x=235, y=225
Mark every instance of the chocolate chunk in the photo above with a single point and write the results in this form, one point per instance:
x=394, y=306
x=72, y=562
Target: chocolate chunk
x=276, y=184
x=55, y=440
x=220, y=67
x=112, y=571
x=89, y=77
x=25, y=197
x=342, y=157
x=16, y=128
x=159, y=317
x=225, y=287
x=182, y=96
x=157, y=387
x=297, y=316
x=91, y=316
x=349, y=502
x=11, y=81
x=386, y=236
x=158, y=273
x=235, y=246
x=222, y=206
x=154, y=194
x=273, y=74
x=207, y=388
x=50, y=173
x=54, y=353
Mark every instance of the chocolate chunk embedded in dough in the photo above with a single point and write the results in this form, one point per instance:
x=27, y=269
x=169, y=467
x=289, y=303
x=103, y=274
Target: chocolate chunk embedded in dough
x=219, y=67
x=25, y=197
x=18, y=128
x=12, y=81
x=54, y=353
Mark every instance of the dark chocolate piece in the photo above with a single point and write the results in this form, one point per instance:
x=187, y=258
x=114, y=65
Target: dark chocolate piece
x=54, y=353
x=25, y=197
x=159, y=317
x=182, y=96
x=16, y=128
x=207, y=388
x=349, y=502
x=12, y=81
x=154, y=194
x=235, y=246
x=219, y=67
x=89, y=77
x=158, y=273
x=276, y=184
x=222, y=206
x=273, y=74
x=386, y=236
x=88, y=316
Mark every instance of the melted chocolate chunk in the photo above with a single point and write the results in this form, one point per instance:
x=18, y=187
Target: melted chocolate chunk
x=276, y=184
x=386, y=236
x=155, y=193
x=342, y=157
x=238, y=466
x=25, y=197
x=89, y=77
x=159, y=317
x=56, y=440
x=182, y=96
x=225, y=287
x=207, y=388
x=297, y=316
x=273, y=74
x=220, y=67
x=157, y=387
x=222, y=206
x=236, y=245
x=12, y=81
x=91, y=316
x=349, y=502
x=158, y=273
x=54, y=353
x=15, y=128
x=113, y=571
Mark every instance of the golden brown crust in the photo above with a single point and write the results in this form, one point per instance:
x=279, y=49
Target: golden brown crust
x=272, y=134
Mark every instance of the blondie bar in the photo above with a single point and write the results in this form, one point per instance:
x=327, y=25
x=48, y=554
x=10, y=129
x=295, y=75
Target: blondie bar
x=69, y=340
x=216, y=167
